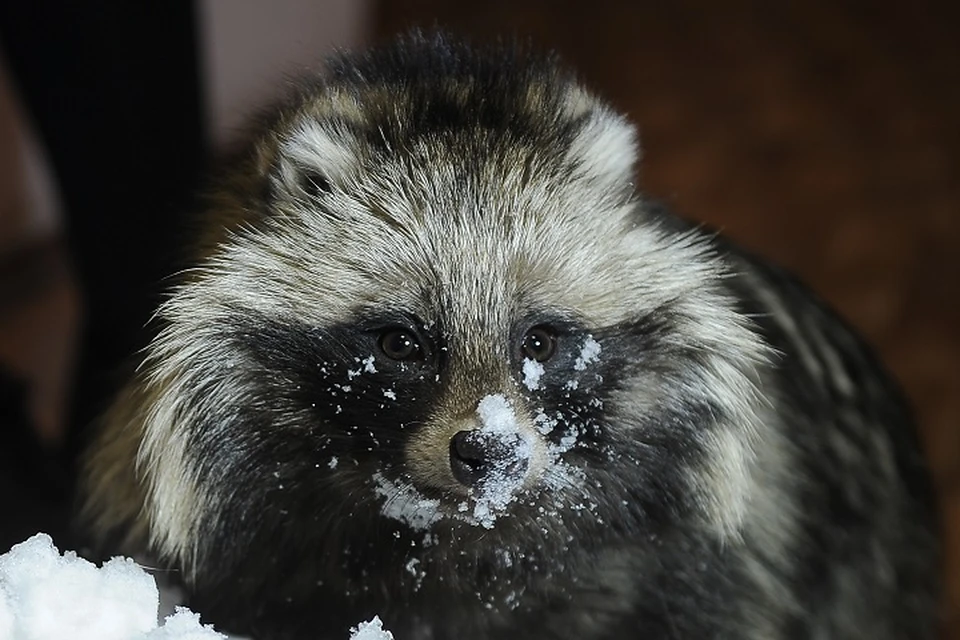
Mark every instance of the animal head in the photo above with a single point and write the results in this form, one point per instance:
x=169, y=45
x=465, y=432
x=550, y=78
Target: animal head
x=431, y=320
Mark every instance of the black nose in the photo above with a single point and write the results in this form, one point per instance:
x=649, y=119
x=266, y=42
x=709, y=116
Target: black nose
x=478, y=456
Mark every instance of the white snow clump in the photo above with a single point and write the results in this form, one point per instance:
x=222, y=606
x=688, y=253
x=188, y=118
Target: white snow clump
x=372, y=630
x=498, y=489
x=532, y=370
x=46, y=596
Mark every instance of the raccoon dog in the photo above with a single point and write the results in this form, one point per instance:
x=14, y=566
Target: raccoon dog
x=438, y=361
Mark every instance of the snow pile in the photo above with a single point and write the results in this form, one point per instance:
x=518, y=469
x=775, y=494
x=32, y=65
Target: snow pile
x=46, y=596
x=372, y=630
x=183, y=625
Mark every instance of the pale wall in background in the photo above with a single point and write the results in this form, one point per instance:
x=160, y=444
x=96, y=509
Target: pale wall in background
x=250, y=47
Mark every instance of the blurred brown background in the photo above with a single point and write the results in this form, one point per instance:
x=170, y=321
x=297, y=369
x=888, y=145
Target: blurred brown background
x=825, y=135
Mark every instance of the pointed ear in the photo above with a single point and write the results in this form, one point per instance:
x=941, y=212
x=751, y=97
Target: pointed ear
x=313, y=158
x=606, y=149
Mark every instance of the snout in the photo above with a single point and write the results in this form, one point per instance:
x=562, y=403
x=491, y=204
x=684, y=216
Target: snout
x=478, y=457
x=492, y=445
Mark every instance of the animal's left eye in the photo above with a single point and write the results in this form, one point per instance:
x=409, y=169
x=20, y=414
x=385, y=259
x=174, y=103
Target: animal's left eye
x=540, y=343
x=400, y=344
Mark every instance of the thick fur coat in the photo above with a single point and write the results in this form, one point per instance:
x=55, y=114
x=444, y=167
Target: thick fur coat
x=436, y=359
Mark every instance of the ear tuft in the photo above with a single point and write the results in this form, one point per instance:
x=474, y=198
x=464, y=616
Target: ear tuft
x=606, y=149
x=312, y=160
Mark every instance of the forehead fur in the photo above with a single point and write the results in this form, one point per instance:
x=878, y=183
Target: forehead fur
x=449, y=169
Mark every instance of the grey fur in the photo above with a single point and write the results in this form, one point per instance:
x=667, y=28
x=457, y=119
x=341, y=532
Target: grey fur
x=713, y=453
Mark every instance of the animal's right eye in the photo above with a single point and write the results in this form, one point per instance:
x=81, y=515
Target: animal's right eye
x=400, y=344
x=540, y=343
